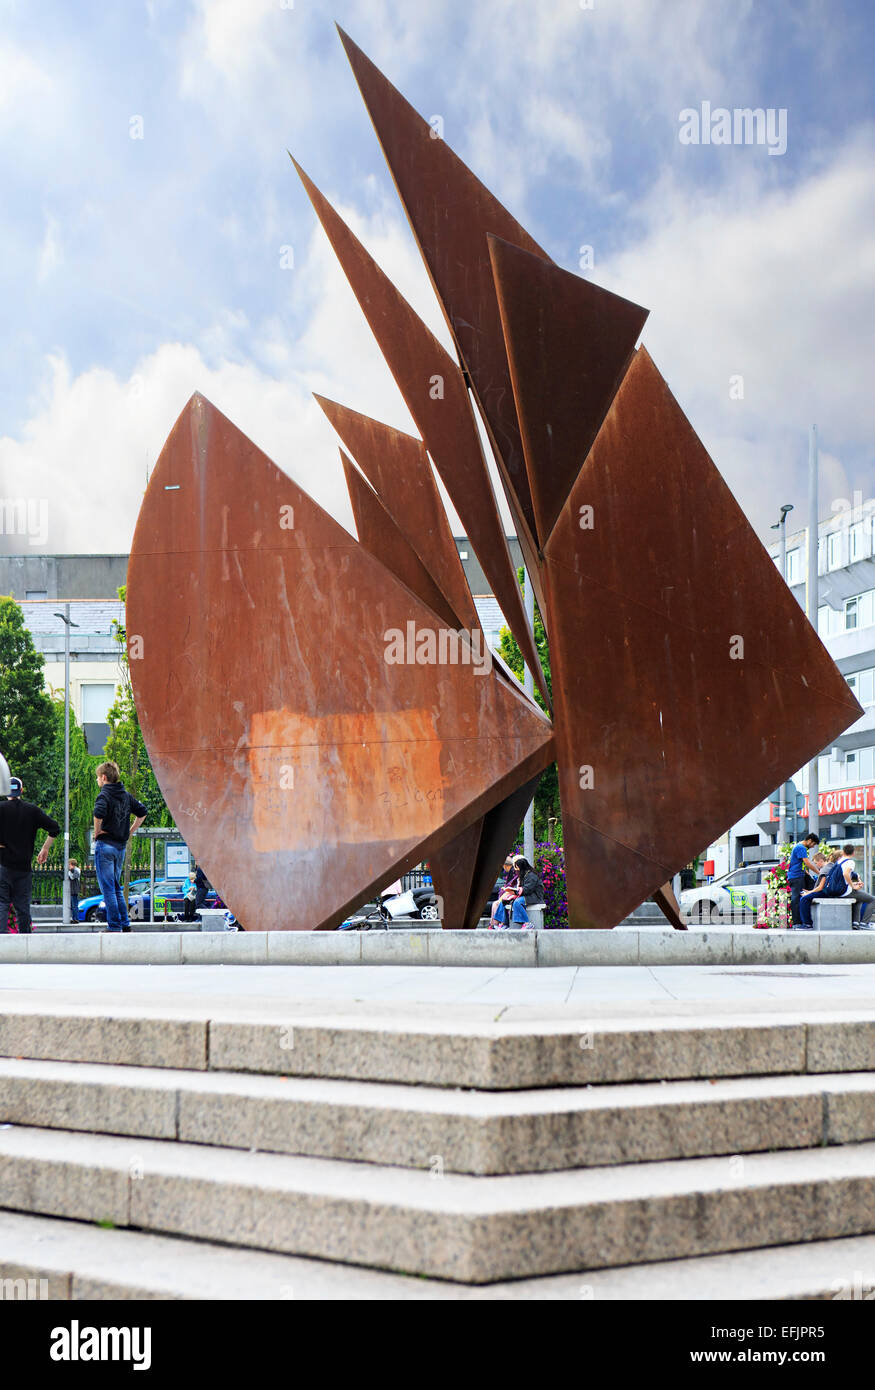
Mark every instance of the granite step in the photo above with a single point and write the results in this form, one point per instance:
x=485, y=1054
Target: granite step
x=498, y=1057
x=473, y=1230
x=52, y=1258
x=477, y=1132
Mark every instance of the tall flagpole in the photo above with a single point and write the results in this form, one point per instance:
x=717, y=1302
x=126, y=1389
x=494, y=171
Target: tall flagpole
x=529, y=686
x=812, y=596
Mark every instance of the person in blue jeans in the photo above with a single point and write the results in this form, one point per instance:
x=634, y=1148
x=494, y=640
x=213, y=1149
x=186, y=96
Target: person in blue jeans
x=799, y=862
x=112, y=828
x=529, y=889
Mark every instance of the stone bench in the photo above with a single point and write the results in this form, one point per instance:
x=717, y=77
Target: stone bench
x=832, y=914
x=536, y=916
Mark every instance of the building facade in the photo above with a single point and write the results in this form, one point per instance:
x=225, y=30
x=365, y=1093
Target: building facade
x=488, y=611
x=42, y=584
x=62, y=576
x=846, y=624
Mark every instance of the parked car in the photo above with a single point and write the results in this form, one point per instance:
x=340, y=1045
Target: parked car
x=732, y=897
x=90, y=908
x=169, y=901
x=170, y=898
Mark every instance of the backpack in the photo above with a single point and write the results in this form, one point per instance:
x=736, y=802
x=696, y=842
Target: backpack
x=835, y=886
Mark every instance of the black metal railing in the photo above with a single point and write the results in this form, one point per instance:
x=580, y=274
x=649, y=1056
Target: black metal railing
x=416, y=879
x=48, y=885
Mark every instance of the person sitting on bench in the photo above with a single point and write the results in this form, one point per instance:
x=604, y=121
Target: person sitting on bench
x=510, y=909
x=841, y=882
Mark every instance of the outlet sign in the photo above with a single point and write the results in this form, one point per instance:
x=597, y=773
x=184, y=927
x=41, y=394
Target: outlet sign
x=842, y=802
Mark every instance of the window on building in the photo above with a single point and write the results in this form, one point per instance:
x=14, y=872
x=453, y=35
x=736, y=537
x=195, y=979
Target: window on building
x=857, y=542
x=834, y=550
x=850, y=614
x=36, y=593
x=867, y=764
x=837, y=772
x=866, y=609
x=862, y=683
x=829, y=621
x=821, y=556
x=794, y=566
x=823, y=771
x=96, y=700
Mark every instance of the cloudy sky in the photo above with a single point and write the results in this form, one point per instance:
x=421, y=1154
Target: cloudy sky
x=136, y=270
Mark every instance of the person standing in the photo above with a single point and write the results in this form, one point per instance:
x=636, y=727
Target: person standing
x=112, y=828
x=799, y=862
x=74, y=876
x=202, y=888
x=19, y=822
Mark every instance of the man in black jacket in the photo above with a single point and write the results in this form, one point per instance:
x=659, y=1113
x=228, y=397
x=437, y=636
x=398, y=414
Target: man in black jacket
x=19, y=822
x=112, y=827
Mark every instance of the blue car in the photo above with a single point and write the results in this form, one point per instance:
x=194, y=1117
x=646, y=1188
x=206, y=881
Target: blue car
x=94, y=909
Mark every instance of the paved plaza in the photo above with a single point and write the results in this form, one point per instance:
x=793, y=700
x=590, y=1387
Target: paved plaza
x=478, y=995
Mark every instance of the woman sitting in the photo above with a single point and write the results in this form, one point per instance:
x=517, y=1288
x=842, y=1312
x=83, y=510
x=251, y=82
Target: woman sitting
x=509, y=910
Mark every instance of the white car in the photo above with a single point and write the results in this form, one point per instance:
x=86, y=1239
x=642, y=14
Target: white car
x=732, y=897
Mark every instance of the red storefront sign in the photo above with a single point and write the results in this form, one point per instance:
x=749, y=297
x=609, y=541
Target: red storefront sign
x=842, y=802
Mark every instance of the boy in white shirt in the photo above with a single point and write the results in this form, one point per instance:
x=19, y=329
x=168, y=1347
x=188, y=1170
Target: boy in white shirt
x=854, y=890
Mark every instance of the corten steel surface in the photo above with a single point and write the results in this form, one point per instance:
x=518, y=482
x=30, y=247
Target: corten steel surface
x=452, y=869
x=687, y=681
x=378, y=533
x=451, y=212
x=304, y=770
x=435, y=394
x=669, y=906
x=468, y=866
x=576, y=340
x=398, y=469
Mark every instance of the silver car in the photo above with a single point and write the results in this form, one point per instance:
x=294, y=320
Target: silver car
x=734, y=897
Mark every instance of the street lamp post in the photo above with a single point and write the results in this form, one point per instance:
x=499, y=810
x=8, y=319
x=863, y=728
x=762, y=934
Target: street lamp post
x=529, y=686
x=65, y=619
x=781, y=525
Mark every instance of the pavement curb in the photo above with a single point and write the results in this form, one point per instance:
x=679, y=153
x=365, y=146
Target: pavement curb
x=423, y=946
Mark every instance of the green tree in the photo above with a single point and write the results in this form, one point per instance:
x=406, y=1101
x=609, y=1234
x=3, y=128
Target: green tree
x=548, y=814
x=127, y=747
x=26, y=713
x=83, y=787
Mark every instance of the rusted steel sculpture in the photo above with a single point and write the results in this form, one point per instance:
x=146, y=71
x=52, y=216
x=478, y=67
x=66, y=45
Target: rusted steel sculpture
x=304, y=768
x=331, y=716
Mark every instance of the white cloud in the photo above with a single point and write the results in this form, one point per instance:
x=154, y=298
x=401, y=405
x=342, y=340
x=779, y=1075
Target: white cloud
x=230, y=37
x=51, y=254
x=23, y=82
x=776, y=286
x=92, y=437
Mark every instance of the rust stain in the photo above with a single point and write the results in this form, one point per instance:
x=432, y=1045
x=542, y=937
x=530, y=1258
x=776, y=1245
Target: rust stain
x=383, y=769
